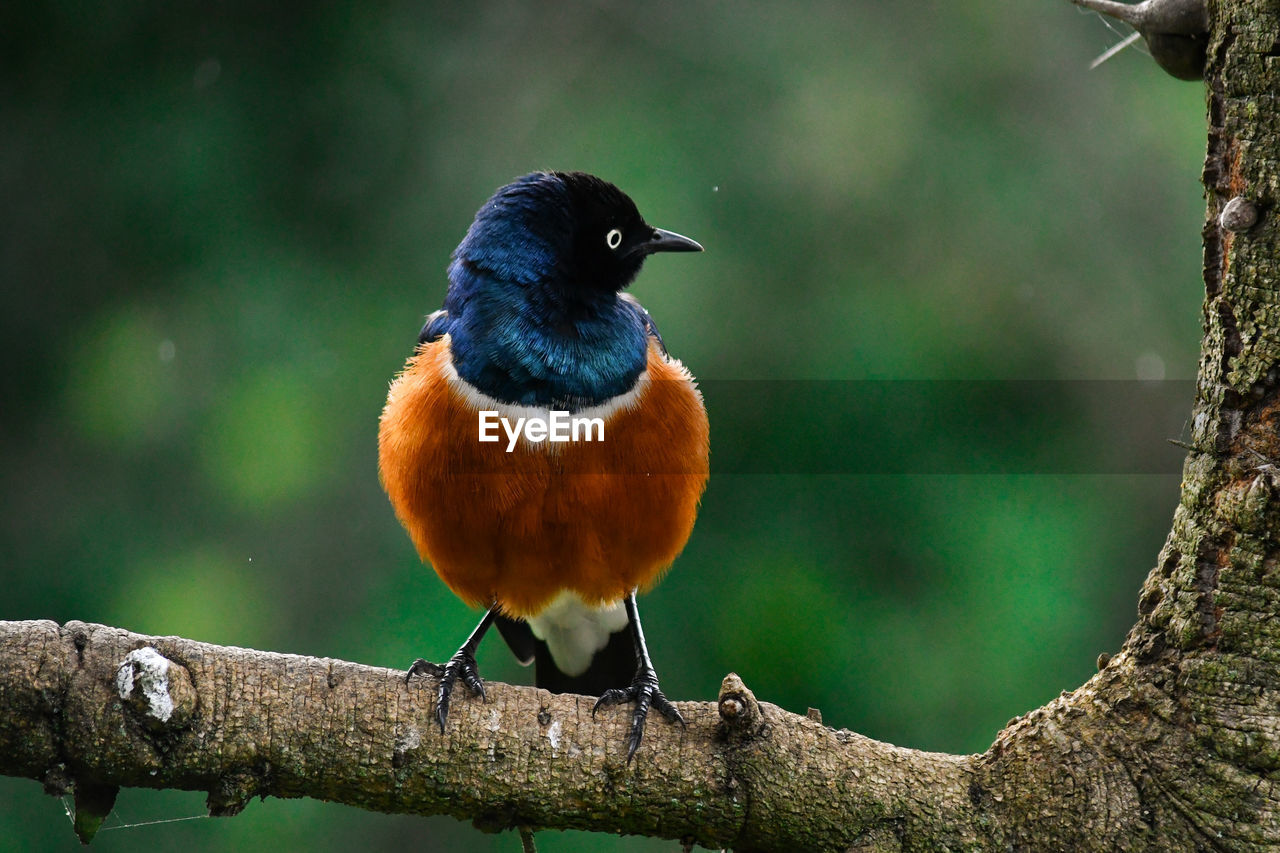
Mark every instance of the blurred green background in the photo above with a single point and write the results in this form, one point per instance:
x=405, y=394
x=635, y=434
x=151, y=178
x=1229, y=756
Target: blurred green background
x=222, y=225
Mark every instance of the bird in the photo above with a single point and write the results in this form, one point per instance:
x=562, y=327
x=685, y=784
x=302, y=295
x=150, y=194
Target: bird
x=554, y=539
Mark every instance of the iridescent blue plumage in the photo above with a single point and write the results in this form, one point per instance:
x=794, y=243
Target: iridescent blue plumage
x=533, y=309
x=519, y=344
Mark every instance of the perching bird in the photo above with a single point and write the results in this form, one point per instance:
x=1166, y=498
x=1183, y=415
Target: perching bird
x=554, y=538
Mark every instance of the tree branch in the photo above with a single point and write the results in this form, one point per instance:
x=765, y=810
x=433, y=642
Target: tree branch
x=81, y=705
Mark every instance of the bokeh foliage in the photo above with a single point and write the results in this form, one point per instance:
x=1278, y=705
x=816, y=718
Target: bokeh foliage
x=222, y=224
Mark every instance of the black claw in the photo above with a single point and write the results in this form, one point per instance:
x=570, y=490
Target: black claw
x=645, y=693
x=459, y=666
x=442, y=707
x=462, y=665
x=668, y=710
x=612, y=697
x=423, y=667
x=472, y=679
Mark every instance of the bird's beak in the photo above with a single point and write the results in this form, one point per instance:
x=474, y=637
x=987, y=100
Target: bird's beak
x=669, y=241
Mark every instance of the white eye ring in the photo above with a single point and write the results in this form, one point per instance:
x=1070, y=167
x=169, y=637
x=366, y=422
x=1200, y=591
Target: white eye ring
x=614, y=238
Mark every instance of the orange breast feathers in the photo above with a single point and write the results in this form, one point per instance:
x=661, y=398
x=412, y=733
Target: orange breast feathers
x=514, y=529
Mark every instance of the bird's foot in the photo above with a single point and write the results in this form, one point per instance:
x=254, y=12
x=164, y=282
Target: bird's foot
x=461, y=665
x=423, y=666
x=645, y=693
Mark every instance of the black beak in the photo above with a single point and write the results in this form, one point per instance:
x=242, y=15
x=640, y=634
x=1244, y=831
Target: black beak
x=669, y=241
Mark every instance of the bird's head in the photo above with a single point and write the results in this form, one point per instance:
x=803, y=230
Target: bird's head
x=533, y=311
x=566, y=230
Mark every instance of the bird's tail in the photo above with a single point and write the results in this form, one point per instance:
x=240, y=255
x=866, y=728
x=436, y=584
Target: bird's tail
x=613, y=666
x=579, y=641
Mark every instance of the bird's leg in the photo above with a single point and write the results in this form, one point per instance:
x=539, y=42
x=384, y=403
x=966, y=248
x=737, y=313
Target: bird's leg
x=461, y=665
x=644, y=687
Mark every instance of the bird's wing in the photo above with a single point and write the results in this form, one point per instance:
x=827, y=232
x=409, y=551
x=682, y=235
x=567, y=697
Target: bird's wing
x=650, y=327
x=435, y=327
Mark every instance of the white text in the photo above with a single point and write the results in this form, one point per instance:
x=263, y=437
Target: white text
x=557, y=426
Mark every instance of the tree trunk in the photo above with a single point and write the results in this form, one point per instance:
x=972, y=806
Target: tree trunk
x=1173, y=745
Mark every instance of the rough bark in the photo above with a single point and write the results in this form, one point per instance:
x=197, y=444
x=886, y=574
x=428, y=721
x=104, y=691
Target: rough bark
x=80, y=710
x=1173, y=745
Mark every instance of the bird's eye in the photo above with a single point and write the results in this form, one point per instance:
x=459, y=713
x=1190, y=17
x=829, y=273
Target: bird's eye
x=614, y=238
